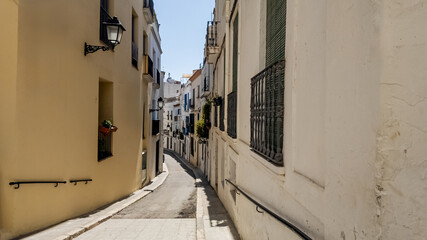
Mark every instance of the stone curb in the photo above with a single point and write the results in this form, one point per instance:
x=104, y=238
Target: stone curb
x=74, y=227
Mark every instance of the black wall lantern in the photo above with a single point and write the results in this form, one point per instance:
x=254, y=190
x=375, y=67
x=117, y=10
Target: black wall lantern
x=159, y=105
x=114, y=35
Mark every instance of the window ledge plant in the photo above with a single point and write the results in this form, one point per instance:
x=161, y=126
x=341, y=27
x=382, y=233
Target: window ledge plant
x=107, y=127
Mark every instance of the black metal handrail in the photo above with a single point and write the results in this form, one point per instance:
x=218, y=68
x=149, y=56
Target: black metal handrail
x=277, y=217
x=81, y=180
x=35, y=182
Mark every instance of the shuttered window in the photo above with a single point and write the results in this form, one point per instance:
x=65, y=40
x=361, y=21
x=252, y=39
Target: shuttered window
x=232, y=97
x=267, y=88
x=235, y=49
x=275, y=31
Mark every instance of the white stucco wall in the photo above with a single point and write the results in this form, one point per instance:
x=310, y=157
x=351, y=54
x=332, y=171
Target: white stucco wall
x=354, y=123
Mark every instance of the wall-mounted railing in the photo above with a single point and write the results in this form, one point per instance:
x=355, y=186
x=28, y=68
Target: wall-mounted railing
x=271, y=213
x=17, y=184
x=81, y=180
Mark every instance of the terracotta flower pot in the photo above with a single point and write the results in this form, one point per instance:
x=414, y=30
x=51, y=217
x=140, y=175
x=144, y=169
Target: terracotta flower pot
x=114, y=128
x=104, y=131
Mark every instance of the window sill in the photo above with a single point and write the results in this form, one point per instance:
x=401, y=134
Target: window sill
x=279, y=170
x=105, y=158
x=257, y=159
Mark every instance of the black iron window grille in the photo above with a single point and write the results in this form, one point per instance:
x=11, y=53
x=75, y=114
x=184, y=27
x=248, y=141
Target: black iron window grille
x=191, y=126
x=206, y=84
x=267, y=111
x=212, y=34
x=232, y=114
x=134, y=55
x=155, y=127
x=221, y=116
x=104, y=146
x=216, y=117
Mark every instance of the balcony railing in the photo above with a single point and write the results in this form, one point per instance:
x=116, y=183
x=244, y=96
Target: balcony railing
x=134, y=55
x=212, y=34
x=149, y=5
x=221, y=115
x=232, y=114
x=205, y=87
x=158, y=77
x=148, y=66
x=267, y=110
x=156, y=127
x=104, y=17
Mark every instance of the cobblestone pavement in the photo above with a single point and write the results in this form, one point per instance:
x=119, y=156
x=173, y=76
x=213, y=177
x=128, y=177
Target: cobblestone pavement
x=168, y=213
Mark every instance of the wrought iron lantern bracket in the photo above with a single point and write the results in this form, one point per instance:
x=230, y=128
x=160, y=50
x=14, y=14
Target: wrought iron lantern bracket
x=92, y=48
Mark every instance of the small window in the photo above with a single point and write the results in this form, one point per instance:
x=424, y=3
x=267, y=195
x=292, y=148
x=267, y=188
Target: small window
x=134, y=45
x=105, y=112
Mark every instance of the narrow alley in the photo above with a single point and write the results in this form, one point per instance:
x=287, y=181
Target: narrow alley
x=170, y=212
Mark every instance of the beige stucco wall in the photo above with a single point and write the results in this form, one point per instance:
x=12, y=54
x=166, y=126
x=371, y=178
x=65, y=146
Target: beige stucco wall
x=49, y=124
x=354, y=123
x=8, y=79
x=401, y=138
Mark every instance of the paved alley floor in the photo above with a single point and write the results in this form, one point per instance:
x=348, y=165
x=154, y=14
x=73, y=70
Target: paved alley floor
x=170, y=212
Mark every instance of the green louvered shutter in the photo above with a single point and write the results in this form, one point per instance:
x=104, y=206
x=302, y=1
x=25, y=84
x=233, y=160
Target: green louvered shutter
x=235, y=49
x=275, y=31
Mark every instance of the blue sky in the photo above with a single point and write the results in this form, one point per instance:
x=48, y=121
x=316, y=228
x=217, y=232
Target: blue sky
x=182, y=29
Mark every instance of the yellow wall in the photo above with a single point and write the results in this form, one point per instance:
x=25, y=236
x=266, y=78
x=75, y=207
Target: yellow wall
x=8, y=70
x=49, y=125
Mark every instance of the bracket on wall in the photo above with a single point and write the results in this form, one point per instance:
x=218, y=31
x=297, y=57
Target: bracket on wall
x=92, y=48
x=80, y=180
x=35, y=182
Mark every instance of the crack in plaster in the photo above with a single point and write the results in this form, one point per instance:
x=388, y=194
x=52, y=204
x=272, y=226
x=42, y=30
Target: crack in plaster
x=411, y=104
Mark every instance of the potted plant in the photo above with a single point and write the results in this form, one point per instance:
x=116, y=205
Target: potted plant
x=105, y=127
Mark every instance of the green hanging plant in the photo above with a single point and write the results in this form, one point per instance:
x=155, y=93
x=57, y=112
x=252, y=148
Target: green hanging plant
x=204, y=124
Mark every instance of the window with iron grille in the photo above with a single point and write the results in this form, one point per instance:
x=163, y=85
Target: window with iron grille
x=232, y=97
x=191, y=125
x=268, y=87
x=192, y=146
x=216, y=117
x=221, y=116
x=134, y=45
